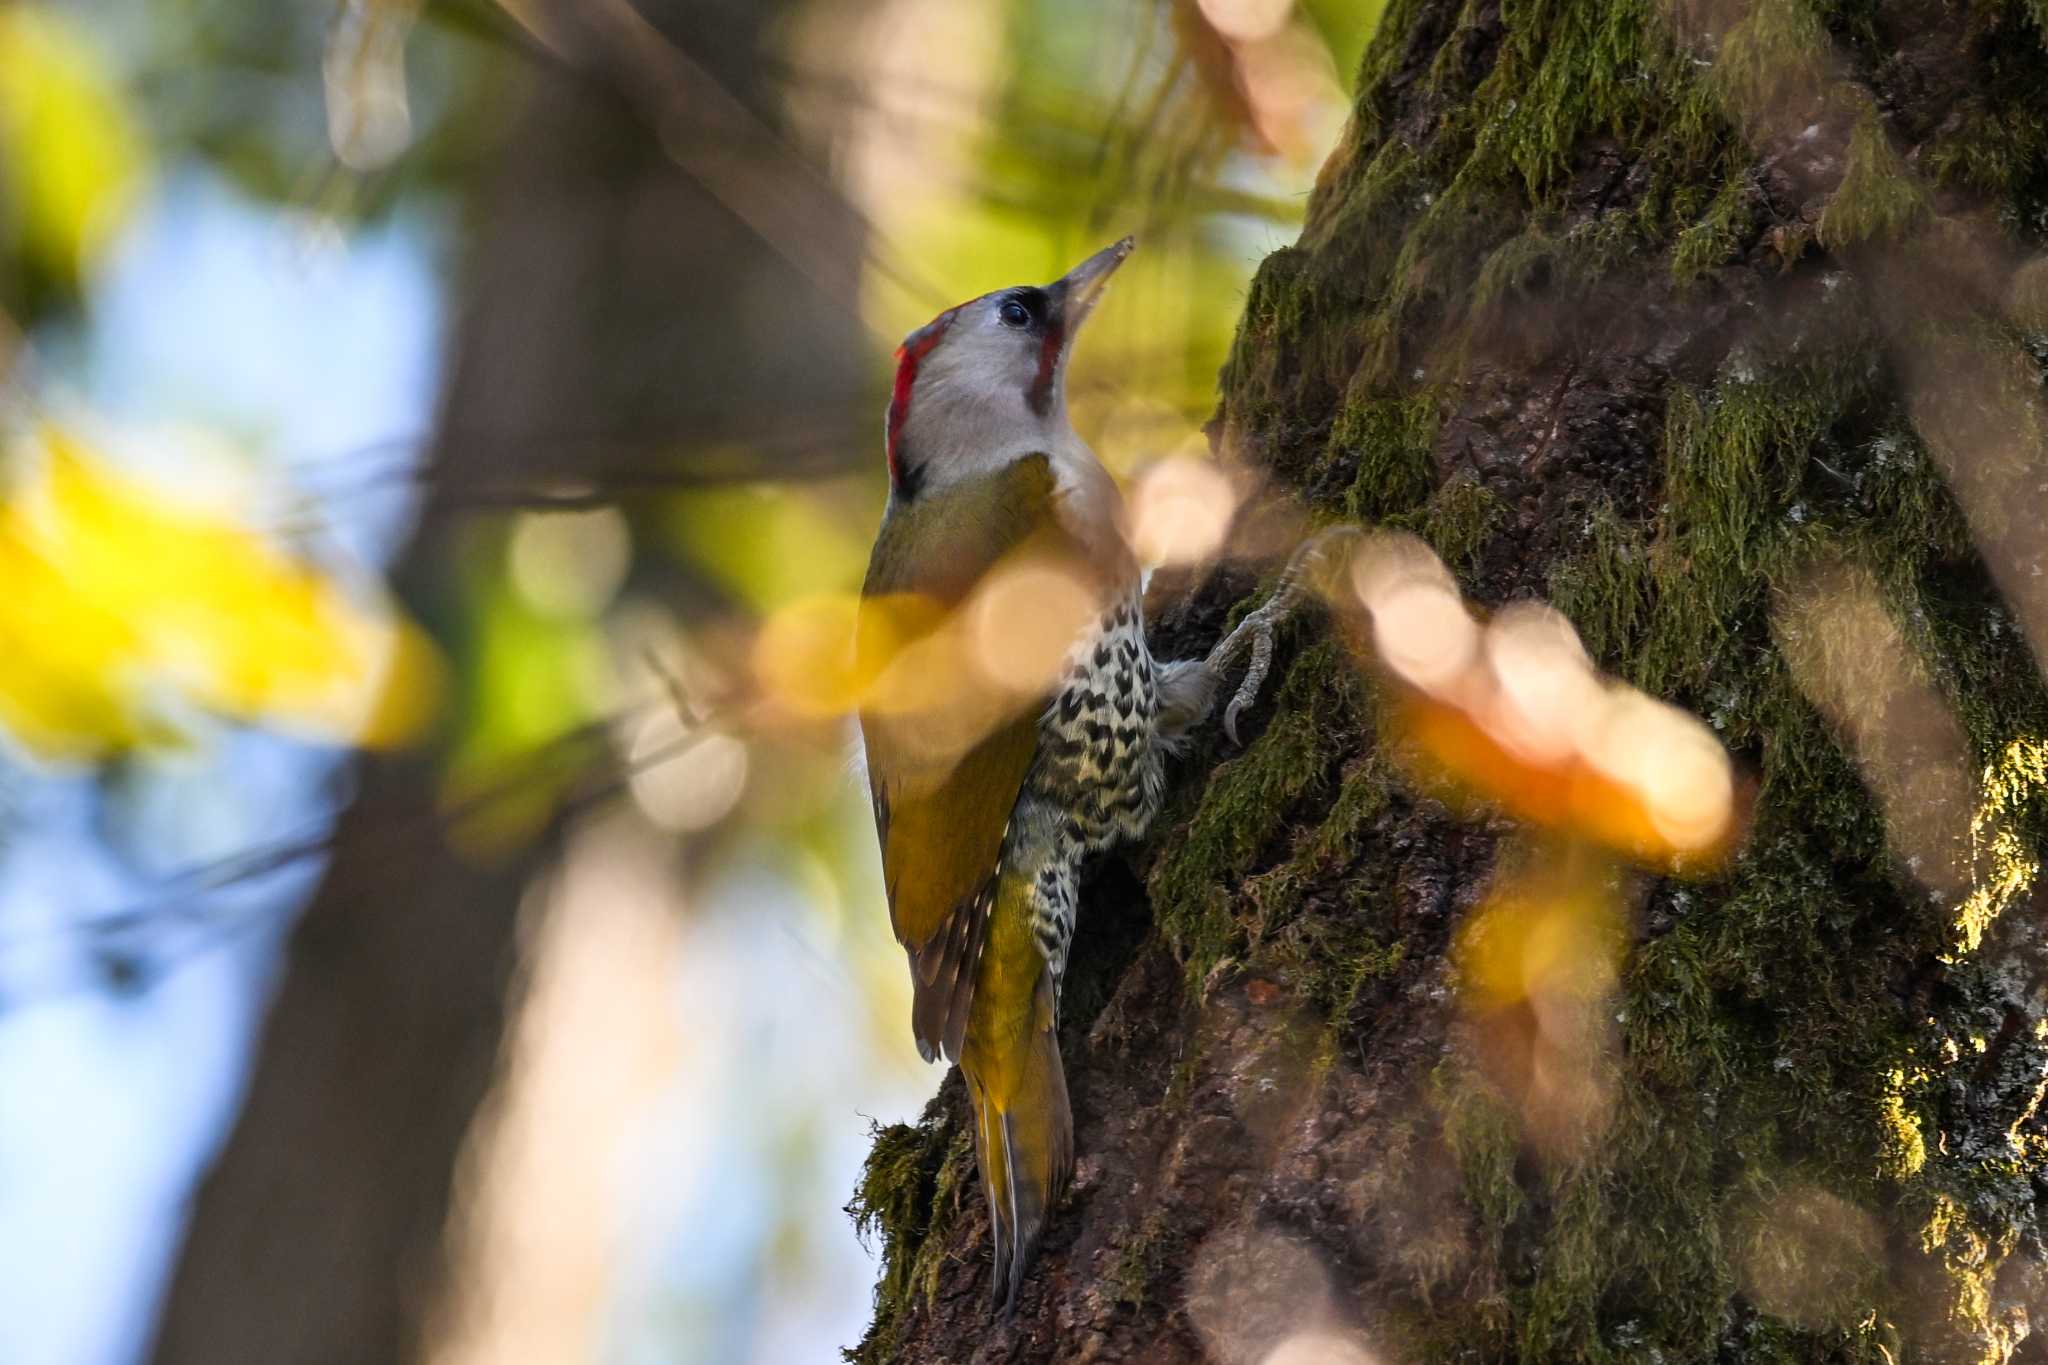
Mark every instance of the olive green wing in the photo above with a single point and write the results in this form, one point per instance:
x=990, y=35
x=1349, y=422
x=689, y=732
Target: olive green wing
x=941, y=851
x=941, y=816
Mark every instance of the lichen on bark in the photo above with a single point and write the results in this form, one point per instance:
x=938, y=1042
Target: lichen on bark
x=1598, y=296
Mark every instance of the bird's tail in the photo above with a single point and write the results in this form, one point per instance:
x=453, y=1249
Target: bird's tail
x=1023, y=1137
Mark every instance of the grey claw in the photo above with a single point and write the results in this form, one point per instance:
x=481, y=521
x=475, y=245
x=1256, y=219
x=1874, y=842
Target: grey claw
x=1312, y=558
x=1254, y=673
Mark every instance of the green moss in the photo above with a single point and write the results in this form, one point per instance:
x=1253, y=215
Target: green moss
x=1903, y=1132
x=1605, y=590
x=1331, y=957
x=2005, y=843
x=1734, y=463
x=1458, y=519
x=1518, y=265
x=1908, y=495
x=1367, y=789
x=1749, y=1035
x=1248, y=801
x=1878, y=196
x=1984, y=153
x=909, y=1192
x=1526, y=301
x=1774, y=58
x=1411, y=248
x=1280, y=305
x=1334, y=957
x=1571, y=72
x=1994, y=142
x=1275, y=894
x=1356, y=965
x=1719, y=234
x=1484, y=1134
x=1388, y=441
x=1139, y=1263
x=1432, y=270
x=1373, y=208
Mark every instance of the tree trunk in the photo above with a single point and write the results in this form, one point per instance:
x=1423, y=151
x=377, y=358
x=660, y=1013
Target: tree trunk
x=609, y=331
x=1710, y=323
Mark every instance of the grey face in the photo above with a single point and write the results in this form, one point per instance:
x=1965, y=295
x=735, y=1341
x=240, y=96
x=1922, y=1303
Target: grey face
x=985, y=383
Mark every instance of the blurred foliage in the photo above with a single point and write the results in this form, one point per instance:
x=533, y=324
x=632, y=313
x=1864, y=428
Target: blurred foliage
x=1002, y=143
x=529, y=677
x=71, y=154
x=121, y=607
x=766, y=545
x=126, y=607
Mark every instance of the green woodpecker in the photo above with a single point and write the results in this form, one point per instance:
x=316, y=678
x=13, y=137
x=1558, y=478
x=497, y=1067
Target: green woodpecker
x=984, y=825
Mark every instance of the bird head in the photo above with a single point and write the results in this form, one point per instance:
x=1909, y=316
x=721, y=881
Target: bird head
x=985, y=381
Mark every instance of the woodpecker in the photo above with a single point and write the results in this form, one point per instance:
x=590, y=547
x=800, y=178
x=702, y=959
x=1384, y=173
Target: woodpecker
x=981, y=848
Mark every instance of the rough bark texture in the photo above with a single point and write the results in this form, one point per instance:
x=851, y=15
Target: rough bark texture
x=602, y=341
x=1647, y=310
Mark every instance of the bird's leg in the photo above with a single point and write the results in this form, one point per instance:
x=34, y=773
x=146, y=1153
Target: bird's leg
x=1306, y=570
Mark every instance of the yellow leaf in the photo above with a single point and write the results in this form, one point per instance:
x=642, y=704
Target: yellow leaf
x=115, y=601
x=71, y=152
x=63, y=693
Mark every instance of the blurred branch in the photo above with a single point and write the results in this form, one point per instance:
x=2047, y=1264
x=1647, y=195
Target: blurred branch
x=543, y=765
x=728, y=149
x=610, y=489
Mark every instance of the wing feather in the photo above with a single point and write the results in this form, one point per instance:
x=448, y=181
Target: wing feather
x=941, y=819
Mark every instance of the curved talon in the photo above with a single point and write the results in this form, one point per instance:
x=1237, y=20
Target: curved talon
x=1254, y=675
x=1309, y=560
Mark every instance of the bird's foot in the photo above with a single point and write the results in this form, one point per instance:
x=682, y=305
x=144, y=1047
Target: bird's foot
x=1307, y=574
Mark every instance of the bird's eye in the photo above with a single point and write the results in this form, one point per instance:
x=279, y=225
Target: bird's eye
x=1014, y=314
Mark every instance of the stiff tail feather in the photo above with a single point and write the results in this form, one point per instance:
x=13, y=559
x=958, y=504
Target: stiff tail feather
x=1024, y=1142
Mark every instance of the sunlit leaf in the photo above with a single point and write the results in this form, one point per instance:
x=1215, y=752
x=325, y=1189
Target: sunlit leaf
x=119, y=607
x=71, y=150
x=65, y=693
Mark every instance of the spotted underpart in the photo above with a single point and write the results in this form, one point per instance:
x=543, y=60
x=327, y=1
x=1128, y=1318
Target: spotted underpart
x=1098, y=774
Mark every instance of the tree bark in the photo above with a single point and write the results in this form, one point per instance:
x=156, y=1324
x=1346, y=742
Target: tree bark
x=609, y=335
x=1664, y=313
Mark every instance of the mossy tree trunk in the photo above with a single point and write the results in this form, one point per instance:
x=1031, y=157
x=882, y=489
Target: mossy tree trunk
x=1663, y=311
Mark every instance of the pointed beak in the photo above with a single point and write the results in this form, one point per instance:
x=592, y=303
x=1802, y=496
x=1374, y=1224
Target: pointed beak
x=1080, y=288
